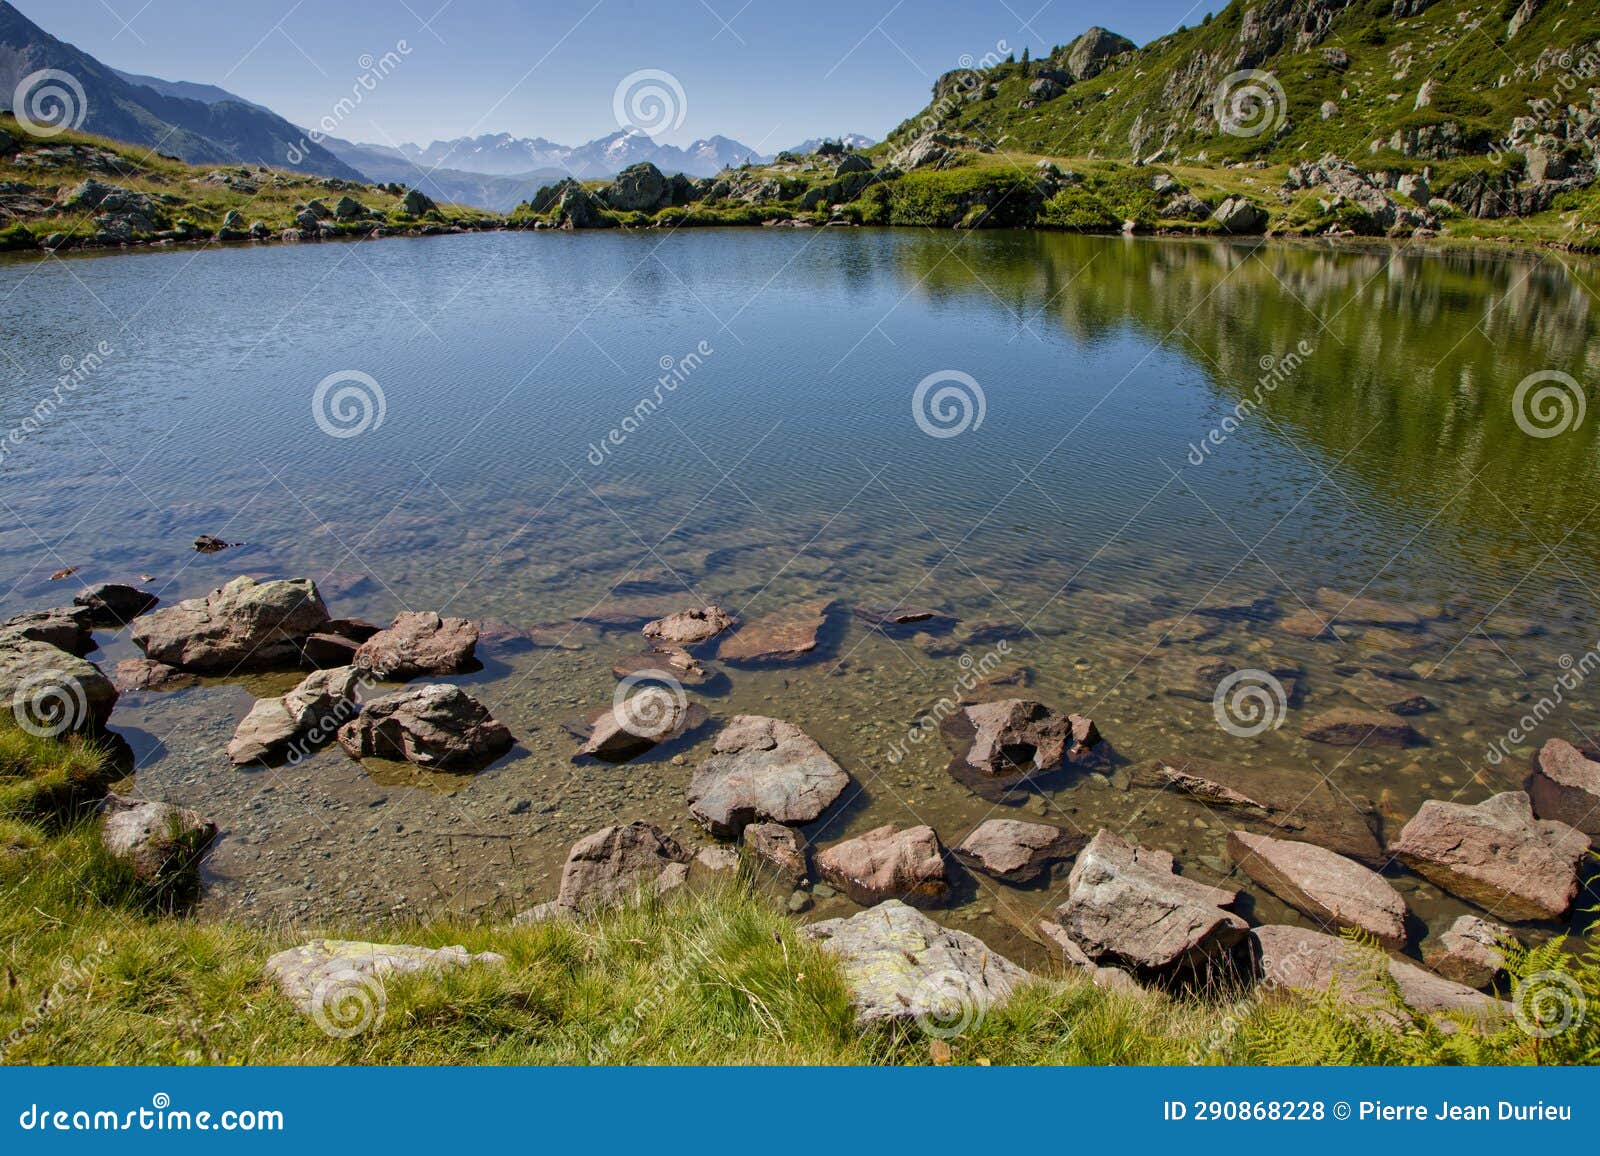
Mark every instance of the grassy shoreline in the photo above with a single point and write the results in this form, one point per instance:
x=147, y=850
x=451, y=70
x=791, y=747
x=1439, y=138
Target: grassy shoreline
x=94, y=974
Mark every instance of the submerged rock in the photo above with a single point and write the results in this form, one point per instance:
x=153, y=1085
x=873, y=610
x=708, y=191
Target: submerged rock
x=1351, y=727
x=1386, y=695
x=1128, y=906
x=244, y=625
x=1017, y=852
x=888, y=862
x=135, y=674
x=901, y=965
x=615, y=864
x=788, y=634
x=437, y=725
x=652, y=715
x=763, y=770
x=1496, y=855
x=1335, y=891
x=321, y=702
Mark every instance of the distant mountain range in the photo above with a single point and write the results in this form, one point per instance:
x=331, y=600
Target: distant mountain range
x=204, y=124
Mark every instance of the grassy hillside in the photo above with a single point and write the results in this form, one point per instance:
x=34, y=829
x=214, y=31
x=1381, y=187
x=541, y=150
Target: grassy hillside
x=94, y=975
x=176, y=202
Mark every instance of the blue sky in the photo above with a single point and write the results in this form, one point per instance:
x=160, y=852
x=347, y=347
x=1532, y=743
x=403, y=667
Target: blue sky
x=767, y=73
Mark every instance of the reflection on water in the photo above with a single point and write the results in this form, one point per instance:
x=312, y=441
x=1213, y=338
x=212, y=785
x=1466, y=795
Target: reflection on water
x=751, y=397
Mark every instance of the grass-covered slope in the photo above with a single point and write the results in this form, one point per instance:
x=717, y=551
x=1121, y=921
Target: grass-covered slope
x=159, y=199
x=95, y=975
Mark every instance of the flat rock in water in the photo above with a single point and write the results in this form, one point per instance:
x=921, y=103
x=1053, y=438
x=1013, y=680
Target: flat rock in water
x=66, y=628
x=688, y=627
x=1017, y=852
x=134, y=674
x=113, y=605
x=245, y=625
x=1284, y=802
x=780, y=848
x=48, y=690
x=1564, y=785
x=340, y=980
x=1496, y=855
x=1351, y=726
x=1469, y=952
x=646, y=718
x=1128, y=906
x=663, y=659
x=888, y=862
x=418, y=643
x=763, y=770
x=1385, y=695
x=436, y=725
x=1310, y=963
x=1309, y=624
x=788, y=634
x=901, y=965
x=613, y=865
x=1353, y=610
x=1335, y=891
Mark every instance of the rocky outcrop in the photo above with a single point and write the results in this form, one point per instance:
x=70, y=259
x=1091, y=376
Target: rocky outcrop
x=338, y=982
x=1090, y=53
x=65, y=628
x=1239, y=215
x=417, y=204
x=642, y=188
x=1019, y=736
x=788, y=634
x=112, y=605
x=1017, y=852
x=49, y=691
x=1353, y=727
x=888, y=862
x=1469, y=952
x=779, y=848
x=418, y=643
x=161, y=844
x=1564, y=786
x=1350, y=184
x=615, y=864
x=901, y=965
x=688, y=627
x=1496, y=855
x=437, y=726
x=313, y=711
x=1335, y=891
x=245, y=625
x=1128, y=906
x=763, y=770
x=1310, y=963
